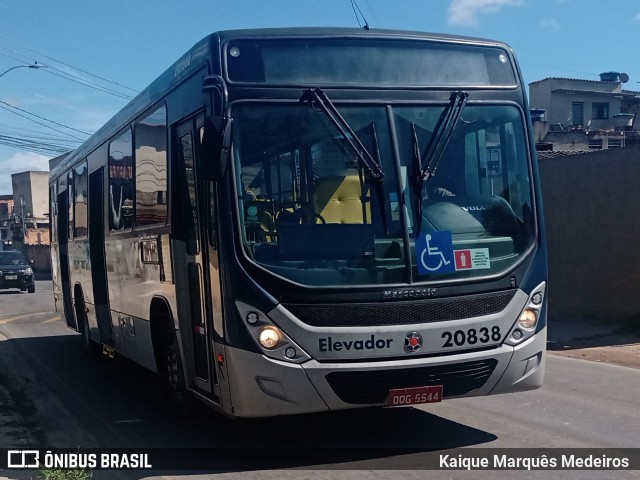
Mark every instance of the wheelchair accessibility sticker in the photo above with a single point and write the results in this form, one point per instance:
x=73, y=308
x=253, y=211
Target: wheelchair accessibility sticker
x=436, y=255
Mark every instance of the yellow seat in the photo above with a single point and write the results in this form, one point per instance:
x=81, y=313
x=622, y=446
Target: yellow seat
x=339, y=200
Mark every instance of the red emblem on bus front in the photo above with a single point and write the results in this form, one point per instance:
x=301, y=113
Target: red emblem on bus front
x=412, y=341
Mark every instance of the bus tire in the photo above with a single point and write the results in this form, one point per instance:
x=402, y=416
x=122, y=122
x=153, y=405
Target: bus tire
x=167, y=354
x=173, y=375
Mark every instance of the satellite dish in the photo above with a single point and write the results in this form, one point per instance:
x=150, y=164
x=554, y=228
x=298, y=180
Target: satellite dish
x=624, y=78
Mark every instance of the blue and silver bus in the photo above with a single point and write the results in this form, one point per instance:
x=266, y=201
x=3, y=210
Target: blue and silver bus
x=308, y=219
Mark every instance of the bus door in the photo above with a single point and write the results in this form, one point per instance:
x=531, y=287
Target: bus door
x=97, y=255
x=63, y=245
x=190, y=251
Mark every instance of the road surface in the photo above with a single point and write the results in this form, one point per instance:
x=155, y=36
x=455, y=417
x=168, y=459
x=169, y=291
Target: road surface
x=62, y=399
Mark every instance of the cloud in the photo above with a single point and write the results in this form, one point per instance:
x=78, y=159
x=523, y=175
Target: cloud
x=550, y=24
x=466, y=12
x=20, y=162
x=636, y=18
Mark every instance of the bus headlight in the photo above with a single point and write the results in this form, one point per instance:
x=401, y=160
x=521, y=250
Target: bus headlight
x=525, y=326
x=269, y=337
x=528, y=319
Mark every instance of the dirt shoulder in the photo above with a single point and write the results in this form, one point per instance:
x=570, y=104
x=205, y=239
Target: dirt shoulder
x=606, y=342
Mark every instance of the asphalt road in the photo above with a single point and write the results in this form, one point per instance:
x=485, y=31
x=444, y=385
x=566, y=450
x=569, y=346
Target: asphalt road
x=66, y=400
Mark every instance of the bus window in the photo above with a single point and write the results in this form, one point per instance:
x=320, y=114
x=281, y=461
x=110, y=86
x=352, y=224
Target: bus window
x=151, y=168
x=79, y=205
x=304, y=196
x=70, y=197
x=53, y=211
x=189, y=201
x=121, y=188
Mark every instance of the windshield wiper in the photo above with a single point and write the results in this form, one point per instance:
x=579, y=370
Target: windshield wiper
x=442, y=134
x=315, y=97
x=426, y=165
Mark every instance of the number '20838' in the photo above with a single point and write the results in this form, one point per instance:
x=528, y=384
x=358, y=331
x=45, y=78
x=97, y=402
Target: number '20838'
x=471, y=336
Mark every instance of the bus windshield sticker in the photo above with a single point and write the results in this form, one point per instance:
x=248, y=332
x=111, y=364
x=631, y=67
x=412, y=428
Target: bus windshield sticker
x=436, y=255
x=472, y=259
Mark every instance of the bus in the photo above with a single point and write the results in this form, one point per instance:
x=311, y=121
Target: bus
x=312, y=219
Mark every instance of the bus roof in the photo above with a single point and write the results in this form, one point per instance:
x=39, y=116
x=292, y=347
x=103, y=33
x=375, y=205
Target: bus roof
x=349, y=32
x=207, y=51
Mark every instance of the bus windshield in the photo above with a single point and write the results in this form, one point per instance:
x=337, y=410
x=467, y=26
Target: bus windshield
x=309, y=212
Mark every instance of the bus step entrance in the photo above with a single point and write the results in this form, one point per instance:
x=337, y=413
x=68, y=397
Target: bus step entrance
x=108, y=351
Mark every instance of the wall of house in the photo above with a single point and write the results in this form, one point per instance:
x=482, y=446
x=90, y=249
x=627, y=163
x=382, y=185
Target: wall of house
x=40, y=256
x=540, y=95
x=33, y=189
x=592, y=210
x=6, y=206
x=562, y=110
x=559, y=105
x=36, y=236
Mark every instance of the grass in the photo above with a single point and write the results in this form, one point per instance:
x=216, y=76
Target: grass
x=59, y=474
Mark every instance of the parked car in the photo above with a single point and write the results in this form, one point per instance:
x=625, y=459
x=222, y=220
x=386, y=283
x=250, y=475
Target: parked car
x=15, y=272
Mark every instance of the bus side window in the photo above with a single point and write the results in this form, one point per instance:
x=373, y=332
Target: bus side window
x=151, y=168
x=189, y=200
x=70, y=202
x=80, y=190
x=121, y=183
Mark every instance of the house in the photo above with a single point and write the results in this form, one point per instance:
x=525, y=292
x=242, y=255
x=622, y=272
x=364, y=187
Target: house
x=6, y=212
x=27, y=226
x=579, y=114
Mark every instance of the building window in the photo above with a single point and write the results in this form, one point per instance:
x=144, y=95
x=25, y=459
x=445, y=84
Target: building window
x=151, y=168
x=577, y=114
x=600, y=111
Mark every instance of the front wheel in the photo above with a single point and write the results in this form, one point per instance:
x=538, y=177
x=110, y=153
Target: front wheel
x=31, y=289
x=173, y=376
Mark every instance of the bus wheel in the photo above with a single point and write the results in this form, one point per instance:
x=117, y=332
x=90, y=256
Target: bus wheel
x=173, y=376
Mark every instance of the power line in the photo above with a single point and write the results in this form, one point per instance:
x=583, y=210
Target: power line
x=43, y=148
x=39, y=142
x=81, y=81
x=39, y=123
x=70, y=66
x=72, y=78
x=46, y=119
x=34, y=134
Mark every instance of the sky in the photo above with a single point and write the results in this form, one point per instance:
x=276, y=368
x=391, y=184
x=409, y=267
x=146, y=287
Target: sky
x=96, y=54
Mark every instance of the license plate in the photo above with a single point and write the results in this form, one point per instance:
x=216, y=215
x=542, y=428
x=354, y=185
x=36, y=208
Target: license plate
x=414, y=396
x=11, y=277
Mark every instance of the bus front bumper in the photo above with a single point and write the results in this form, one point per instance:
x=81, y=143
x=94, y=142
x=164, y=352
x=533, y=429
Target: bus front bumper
x=265, y=387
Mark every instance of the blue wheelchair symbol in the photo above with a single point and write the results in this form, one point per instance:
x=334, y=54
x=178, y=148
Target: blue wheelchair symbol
x=435, y=253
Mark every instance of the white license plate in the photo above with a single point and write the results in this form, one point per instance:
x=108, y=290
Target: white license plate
x=11, y=277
